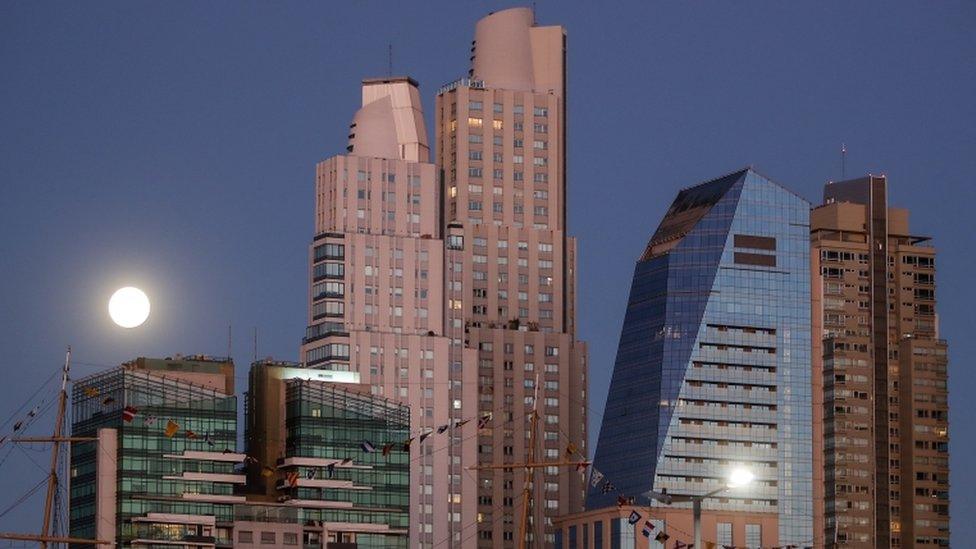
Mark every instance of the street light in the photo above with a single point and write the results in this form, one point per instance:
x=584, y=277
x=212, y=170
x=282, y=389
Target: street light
x=739, y=477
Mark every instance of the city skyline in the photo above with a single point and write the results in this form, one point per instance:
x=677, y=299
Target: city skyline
x=178, y=276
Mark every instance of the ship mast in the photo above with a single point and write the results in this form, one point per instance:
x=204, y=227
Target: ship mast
x=528, y=484
x=52, y=480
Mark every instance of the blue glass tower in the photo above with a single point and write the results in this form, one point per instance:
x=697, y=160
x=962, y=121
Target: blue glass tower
x=713, y=364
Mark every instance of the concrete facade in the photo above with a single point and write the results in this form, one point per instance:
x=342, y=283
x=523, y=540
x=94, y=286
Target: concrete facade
x=376, y=301
x=511, y=275
x=452, y=288
x=881, y=370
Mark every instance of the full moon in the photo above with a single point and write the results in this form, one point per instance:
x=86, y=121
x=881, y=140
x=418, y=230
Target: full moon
x=128, y=307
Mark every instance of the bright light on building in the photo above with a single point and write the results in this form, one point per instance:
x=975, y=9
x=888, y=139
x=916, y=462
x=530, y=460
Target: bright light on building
x=740, y=477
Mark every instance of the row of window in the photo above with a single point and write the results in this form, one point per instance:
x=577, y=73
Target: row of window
x=498, y=107
x=364, y=175
x=516, y=159
x=538, y=177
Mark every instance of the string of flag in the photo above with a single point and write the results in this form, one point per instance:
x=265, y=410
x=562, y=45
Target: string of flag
x=597, y=479
x=21, y=424
x=172, y=427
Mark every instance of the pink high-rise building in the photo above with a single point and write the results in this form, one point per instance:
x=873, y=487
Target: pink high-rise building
x=377, y=287
x=511, y=269
x=452, y=288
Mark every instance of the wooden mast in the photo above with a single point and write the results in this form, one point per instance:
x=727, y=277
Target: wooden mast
x=52, y=481
x=527, y=485
x=529, y=466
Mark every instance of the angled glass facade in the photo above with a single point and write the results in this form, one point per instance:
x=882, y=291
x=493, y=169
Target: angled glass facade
x=713, y=364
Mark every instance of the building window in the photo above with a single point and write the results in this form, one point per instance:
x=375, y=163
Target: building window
x=330, y=251
x=290, y=538
x=753, y=535
x=475, y=122
x=268, y=538
x=329, y=270
x=723, y=533
x=474, y=105
x=245, y=536
x=455, y=242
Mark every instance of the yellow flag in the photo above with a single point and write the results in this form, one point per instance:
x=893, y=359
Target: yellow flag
x=171, y=428
x=90, y=392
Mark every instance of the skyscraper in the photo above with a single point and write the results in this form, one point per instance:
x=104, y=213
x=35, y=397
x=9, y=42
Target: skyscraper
x=712, y=369
x=881, y=369
x=511, y=272
x=376, y=301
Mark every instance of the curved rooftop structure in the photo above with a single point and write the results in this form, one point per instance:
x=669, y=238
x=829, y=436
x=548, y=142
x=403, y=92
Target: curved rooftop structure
x=510, y=52
x=390, y=123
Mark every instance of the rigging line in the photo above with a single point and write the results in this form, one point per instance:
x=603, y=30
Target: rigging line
x=29, y=399
x=25, y=496
x=31, y=458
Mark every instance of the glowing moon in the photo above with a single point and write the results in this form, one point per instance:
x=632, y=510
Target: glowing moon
x=128, y=307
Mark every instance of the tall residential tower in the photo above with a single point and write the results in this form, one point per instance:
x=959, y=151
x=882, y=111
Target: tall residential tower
x=376, y=302
x=511, y=269
x=882, y=428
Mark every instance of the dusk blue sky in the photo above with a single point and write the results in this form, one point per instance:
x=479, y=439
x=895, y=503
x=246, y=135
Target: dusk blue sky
x=172, y=146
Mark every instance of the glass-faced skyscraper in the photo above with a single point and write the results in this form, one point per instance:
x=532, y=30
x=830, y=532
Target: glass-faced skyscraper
x=713, y=365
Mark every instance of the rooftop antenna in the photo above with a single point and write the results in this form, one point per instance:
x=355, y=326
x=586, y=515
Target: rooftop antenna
x=230, y=340
x=255, y=344
x=843, y=161
x=389, y=61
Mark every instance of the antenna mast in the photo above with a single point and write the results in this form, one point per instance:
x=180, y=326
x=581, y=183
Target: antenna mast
x=843, y=161
x=389, y=60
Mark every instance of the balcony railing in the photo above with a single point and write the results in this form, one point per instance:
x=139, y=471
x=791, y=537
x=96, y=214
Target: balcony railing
x=465, y=82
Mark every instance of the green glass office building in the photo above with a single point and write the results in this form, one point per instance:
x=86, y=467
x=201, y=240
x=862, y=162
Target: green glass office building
x=135, y=484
